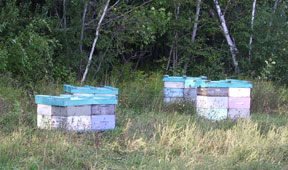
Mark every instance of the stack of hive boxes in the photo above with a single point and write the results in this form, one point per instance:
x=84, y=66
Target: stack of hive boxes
x=93, y=112
x=239, y=99
x=212, y=100
x=180, y=88
x=218, y=100
x=215, y=100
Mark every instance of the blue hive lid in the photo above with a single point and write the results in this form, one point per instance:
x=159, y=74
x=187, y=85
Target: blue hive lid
x=90, y=89
x=167, y=78
x=227, y=84
x=68, y=100
x=90, y=96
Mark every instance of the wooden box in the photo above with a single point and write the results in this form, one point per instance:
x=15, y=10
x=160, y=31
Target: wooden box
x=212, y=91
x=209, y=102
x=239, y=102
x=190, y=94
x=173, y=99
x=213, y=114
x=103, y=122
x=51, y=122
x=79, y=123
x=78, y=110
x=172, y=92
x=176, y=85
x=239, y=92
x=103, y=109
x=238, y=113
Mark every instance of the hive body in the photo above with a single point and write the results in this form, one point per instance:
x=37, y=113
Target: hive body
x=92, y=110
x=214, y=100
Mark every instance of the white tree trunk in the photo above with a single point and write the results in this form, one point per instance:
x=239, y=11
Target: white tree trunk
x=194, y=33
x=274, y=11
x=252, y=28
x=95, y=40
x=196, y=21
x=233, y=48
x=175, y=52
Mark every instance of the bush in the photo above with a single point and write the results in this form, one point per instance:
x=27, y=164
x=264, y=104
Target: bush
x=269, y=98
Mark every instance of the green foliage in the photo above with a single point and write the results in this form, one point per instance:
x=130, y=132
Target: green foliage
x=269, y=98
x=39, y=40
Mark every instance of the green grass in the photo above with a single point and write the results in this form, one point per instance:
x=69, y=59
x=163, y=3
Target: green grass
x=148, y=135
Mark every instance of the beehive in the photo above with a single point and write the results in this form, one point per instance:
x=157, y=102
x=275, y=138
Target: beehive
x=80, y=113
x=180, y=88
x=218, y=100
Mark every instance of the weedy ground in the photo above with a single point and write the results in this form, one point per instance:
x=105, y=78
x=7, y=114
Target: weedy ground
x=149, y=135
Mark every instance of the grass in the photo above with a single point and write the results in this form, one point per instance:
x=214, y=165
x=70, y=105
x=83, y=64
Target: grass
x=149, y=135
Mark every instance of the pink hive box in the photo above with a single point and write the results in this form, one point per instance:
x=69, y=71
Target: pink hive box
x=239, y=102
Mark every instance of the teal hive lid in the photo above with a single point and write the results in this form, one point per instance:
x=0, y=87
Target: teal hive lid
x=182, y=79
x=72, y=100
x=194, y=82
x=90, y=89
x=227, y=84
x=90, y=96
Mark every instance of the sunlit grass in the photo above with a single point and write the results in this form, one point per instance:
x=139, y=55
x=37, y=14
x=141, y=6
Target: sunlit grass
x=149, y=135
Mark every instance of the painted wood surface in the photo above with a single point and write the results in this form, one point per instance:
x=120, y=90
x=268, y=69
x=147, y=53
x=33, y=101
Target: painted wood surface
x=72, y=101
x=90, y=89
x=43, y=109
x=212, y=91
x=173, y=79
x=190, y=94
x=51, y=122
x=238, y=113
x=239, y=92
x=235, y=80
x=95, y=95
x=172, y=92
x=239, y=102
x=190, y=83
x=167, y=78
x=107, y=109
x=103, y=122
x=81, y=110
x=178, y=85
x=226, y=84
x=78, y=123
x=173, y=99
x=213, y=114
x=212, y=102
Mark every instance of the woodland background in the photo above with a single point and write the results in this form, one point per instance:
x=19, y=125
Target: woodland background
x=52, y=40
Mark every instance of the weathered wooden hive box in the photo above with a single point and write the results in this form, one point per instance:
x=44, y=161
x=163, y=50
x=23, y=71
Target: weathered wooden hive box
x=180, y=88
x=218, y=100
x=77, y=113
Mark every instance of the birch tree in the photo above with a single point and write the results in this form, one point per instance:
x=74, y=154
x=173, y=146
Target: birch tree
x=252, y=28
x=194, y=30
x=274, y=11
x=95, y=40
x=231, y=43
